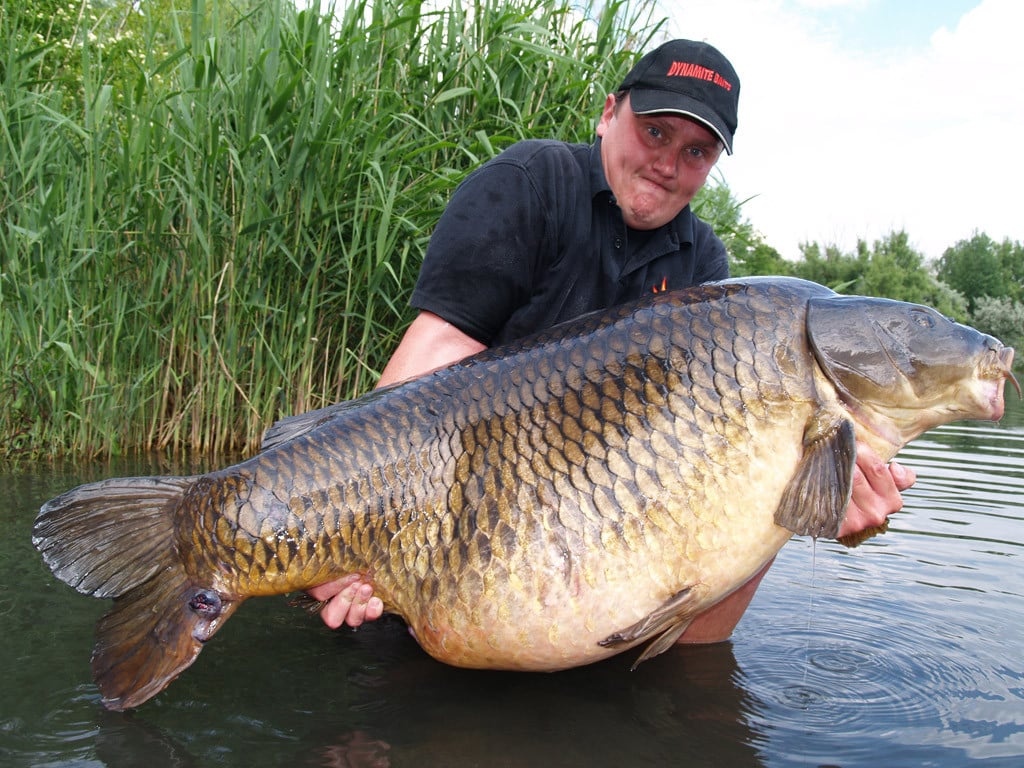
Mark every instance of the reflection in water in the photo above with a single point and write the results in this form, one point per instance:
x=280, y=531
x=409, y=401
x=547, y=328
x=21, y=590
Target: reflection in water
x=122, y=737
x=394, y=706
x=602, y=715
x=906, y=651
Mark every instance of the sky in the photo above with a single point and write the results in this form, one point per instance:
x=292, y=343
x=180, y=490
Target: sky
x=858, y=118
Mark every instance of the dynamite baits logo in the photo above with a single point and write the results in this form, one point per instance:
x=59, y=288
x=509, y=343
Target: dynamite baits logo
x=663, y=288
x=685, y=69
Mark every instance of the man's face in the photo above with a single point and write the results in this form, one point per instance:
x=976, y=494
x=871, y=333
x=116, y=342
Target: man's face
x=654, y=164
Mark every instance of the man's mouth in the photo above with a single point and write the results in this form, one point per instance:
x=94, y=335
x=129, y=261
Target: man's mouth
x=656, y=185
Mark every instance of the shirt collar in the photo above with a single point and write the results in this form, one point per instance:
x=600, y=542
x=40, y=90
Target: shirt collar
x=598, y=181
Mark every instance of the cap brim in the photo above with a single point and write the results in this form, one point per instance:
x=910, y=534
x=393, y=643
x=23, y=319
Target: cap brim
x=648, y=102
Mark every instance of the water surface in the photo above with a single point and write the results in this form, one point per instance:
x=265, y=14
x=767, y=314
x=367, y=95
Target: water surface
x=907, y=651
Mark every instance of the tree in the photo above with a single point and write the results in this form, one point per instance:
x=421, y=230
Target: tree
x=974, y=268
x=898, y=271
x=891, y=268
x=760, y=259
x=1011, y=265
x=830, y=266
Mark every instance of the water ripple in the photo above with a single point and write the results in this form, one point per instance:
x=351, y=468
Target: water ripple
x=909, y=646
x=855, y=678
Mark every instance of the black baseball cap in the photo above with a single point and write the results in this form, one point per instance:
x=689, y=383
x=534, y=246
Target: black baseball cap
x=687, y=78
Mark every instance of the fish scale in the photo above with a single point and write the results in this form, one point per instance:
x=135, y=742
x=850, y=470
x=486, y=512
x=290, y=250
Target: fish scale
x=541, y=505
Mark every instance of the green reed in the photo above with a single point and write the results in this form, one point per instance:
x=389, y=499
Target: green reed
x=233, y=235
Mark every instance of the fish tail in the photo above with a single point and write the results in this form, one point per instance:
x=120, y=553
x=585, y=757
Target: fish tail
x=115, y=539
x=152, y=634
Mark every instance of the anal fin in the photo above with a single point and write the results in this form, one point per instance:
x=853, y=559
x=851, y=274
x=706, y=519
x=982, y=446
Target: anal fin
x=153, y=633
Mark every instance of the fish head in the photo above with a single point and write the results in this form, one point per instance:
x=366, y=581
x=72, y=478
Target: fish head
x=901, y=369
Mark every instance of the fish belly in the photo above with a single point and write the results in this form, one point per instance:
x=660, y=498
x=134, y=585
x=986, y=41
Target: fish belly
x=548, y=602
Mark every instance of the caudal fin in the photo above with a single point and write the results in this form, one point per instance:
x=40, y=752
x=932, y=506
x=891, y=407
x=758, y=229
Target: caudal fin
x=116, y=539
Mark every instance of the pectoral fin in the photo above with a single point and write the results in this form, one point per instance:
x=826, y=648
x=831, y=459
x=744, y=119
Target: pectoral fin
x=815, y=500
x=665, y=625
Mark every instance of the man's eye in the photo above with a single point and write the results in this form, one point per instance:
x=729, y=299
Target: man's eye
x=654, y=133
x=695, y=153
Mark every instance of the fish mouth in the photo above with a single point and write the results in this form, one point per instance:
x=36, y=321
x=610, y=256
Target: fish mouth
x=997, y=369
x=980, y=397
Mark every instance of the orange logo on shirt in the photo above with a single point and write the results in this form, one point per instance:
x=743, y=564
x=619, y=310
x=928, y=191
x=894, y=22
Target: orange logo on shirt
x=664, y=286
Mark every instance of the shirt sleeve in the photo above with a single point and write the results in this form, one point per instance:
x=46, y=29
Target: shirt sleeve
x=484, y=252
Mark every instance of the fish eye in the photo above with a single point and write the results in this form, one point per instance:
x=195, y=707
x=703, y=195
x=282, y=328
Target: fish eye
x=924, y=319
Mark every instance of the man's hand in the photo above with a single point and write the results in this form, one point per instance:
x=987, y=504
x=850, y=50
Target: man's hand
x=350, y=601
x=876, y=491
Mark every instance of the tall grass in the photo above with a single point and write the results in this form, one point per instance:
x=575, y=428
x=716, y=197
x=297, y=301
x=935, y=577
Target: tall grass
x=234, y=237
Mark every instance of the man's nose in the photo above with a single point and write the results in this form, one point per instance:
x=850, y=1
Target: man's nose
x=666, y=162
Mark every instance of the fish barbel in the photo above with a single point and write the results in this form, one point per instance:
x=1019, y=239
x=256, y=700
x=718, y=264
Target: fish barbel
x=544, y=504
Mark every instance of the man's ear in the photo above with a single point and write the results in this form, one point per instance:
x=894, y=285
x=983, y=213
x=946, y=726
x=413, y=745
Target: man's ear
x=606, y=114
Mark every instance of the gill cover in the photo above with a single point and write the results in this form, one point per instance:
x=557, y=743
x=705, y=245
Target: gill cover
x=879, y=349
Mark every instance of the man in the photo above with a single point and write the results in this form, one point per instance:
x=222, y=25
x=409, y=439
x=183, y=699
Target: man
x=547, y=231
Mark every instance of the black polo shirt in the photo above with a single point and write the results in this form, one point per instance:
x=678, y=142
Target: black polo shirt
x=534, y=237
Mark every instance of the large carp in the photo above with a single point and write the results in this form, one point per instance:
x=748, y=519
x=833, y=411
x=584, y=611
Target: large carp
x=544, y=504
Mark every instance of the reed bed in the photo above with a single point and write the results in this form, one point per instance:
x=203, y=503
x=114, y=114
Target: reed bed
x=233, y=238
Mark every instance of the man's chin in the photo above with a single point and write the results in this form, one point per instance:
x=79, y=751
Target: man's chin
x=644, y=219
x=650, y=211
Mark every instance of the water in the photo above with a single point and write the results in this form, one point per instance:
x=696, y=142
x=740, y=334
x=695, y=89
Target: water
x=907, y=651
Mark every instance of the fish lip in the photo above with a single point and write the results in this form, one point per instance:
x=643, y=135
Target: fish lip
x=997, y=367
